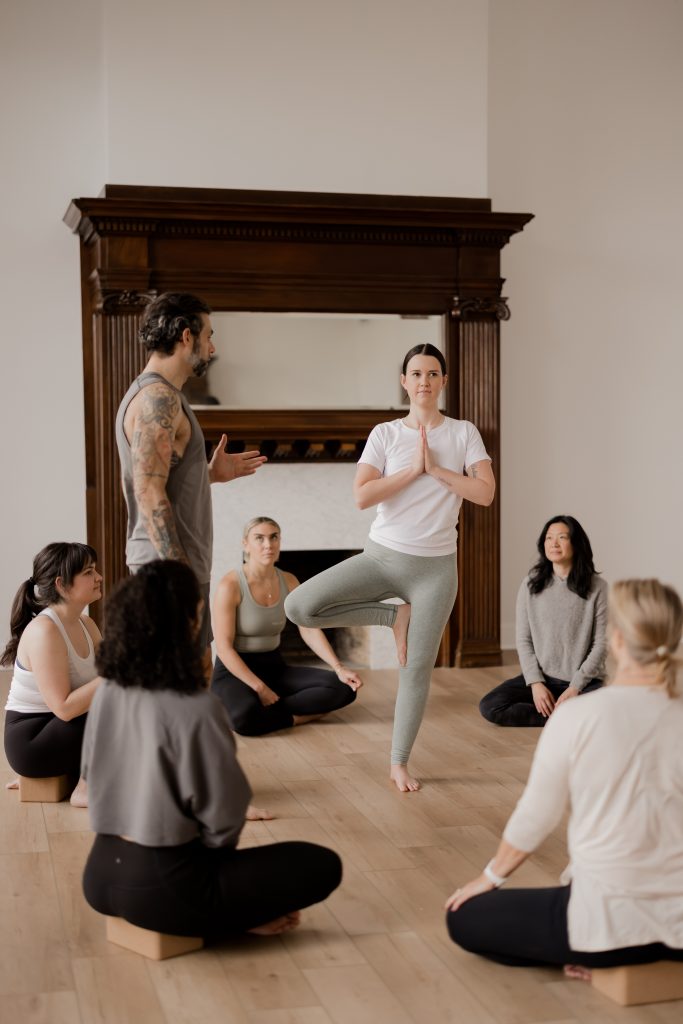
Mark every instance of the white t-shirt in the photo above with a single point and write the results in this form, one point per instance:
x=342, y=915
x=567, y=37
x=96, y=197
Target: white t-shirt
x=422, y=519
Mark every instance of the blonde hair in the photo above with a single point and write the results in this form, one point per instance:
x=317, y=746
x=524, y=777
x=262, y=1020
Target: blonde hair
x=256, y=521
x=649, y=615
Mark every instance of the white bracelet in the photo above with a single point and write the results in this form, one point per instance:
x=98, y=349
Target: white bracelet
x=494, y=879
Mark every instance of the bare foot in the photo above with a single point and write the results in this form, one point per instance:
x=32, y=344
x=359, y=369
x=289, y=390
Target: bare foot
x=302, y=719
x=258, y=814
x=14, y=784
x=400, y=628
x=79, y=797
x=279, y=925
x=405, y=783
x=577, y=972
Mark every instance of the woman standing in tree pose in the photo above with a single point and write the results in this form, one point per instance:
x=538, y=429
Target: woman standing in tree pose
x=260, y=691
x=53, y=648
x=417, y=471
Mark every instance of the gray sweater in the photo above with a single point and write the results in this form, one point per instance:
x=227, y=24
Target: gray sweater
x=562, y=634
x=161, y=767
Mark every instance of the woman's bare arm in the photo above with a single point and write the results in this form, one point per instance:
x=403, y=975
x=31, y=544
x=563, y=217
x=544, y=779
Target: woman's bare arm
x=44, y=649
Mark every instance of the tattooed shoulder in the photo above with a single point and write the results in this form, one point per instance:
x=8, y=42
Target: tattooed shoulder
x=159, y=405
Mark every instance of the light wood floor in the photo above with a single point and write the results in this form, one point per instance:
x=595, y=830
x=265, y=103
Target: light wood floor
x=376, y=952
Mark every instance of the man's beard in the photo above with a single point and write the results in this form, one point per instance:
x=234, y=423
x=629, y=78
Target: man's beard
x=199, y=366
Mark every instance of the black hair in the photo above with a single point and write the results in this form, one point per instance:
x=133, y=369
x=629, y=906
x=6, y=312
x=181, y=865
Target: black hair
x=583, y=570
x=61, y=559
x=425, y=349
x=166, y=318
x=150, y=637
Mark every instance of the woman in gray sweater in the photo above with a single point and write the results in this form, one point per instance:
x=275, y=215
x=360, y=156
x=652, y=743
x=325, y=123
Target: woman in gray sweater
x=167, y=795
x=561, y=630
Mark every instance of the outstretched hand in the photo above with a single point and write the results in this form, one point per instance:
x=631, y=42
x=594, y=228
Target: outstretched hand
x=225, y=466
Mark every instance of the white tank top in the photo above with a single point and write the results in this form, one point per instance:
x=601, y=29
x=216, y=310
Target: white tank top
x=24, y=694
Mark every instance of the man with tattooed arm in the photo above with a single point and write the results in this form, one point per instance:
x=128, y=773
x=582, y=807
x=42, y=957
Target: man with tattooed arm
x=165, y=474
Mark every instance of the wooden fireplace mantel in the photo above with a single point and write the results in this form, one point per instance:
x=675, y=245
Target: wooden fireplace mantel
x=299, y=252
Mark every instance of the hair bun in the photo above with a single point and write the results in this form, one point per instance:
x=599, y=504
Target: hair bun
x=662, y=651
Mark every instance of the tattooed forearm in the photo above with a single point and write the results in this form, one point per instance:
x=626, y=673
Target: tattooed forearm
x=162, y=532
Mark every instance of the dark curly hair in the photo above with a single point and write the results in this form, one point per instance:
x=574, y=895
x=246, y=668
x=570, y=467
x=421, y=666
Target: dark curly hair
x=425, y=350
x=61, y=560
x=167, y=317
x=580, y=578
x=150, y=630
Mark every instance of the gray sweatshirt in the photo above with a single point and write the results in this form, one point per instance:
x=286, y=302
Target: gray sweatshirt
x=161, y=767
x=562, y=634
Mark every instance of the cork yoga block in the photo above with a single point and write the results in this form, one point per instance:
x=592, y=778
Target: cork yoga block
x=49, y=790
x=153, y=945
x=641, y=983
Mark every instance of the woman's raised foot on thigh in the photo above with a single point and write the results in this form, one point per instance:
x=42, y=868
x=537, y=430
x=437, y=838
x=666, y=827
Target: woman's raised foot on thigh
x=400, y=628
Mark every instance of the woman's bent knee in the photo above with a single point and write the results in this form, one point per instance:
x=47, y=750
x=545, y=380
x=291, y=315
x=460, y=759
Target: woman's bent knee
x=296, y=607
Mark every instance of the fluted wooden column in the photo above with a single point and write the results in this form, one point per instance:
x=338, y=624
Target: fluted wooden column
x=474, y=394
x=117, y=358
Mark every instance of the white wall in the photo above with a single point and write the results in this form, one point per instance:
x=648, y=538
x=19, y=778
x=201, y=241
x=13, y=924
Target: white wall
x=52, y=132
x=585, y=131
x=316, y=95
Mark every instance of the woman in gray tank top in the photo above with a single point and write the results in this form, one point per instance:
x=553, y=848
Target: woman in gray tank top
x=260, y=691
x=52, y=649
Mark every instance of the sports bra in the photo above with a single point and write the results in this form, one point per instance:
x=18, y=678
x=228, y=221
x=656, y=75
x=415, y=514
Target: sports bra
x=257, y=626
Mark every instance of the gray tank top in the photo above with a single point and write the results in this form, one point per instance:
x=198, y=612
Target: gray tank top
x=188, y=489
x=258, y=627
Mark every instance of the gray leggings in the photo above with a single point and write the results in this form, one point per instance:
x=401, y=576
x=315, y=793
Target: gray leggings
x=351, y=594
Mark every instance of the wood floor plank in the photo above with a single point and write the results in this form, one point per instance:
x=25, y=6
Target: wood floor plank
x=48, y=1008
x=356, y=995
x=116, y=990
x=297, y=1015
x=196, y=990
x=84, y=929
x=321, y=941
x=424, y=987
x=264, y=975
x=356, y=839
x=22, y=826
x=34, y=957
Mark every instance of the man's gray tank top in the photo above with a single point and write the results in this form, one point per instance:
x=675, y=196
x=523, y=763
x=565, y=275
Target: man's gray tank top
x=188, y=490
x=258, y=626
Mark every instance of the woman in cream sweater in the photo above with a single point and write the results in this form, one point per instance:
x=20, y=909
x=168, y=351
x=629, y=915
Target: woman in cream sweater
x=615, y=758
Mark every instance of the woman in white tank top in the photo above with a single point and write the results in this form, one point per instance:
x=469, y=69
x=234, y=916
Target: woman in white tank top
x=52, y=648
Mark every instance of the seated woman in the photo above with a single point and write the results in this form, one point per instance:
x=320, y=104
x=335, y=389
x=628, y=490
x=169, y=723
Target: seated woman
x=261, y=692
x=167, y=795
x=616, y=759
x=561, y=621
x=53, y=648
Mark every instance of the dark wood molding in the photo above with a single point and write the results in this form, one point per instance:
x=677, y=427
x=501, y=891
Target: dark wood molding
x=298, y=252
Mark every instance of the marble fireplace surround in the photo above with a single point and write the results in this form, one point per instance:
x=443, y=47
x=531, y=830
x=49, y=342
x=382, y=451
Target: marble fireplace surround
x=315, y=509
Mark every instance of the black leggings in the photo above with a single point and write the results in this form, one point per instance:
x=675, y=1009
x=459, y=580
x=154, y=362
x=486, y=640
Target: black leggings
x=302, y=691
x=528, y=928
x=512, y=703
x=211, y=893
x=39, y=745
